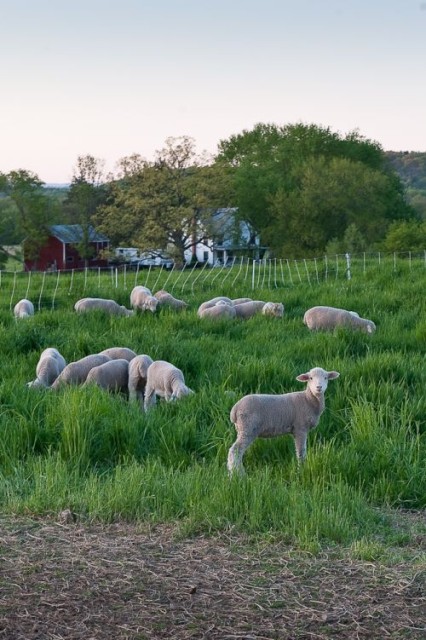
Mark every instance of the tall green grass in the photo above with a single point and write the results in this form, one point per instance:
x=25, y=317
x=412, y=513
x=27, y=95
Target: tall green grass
x=99, y=455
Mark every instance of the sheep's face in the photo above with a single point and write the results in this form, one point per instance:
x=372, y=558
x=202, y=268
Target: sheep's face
x=151, y=304
x=317, y=379
x=370, y=327
x=275, y=309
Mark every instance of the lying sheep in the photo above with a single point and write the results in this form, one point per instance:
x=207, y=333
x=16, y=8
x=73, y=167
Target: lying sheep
x=77, y=372
x=142, y=299
x=267, y=416
x=220, y=310
x=212, y=303
x=49, y=366
x=111, y=376
x=116, y=353
x=138, y=373
x=166, y=299
x=109, y=306
x=247, y=310
x=164, y=380
x=274, y=309
x=241, y=300
x=328, y=318
x=23, y=309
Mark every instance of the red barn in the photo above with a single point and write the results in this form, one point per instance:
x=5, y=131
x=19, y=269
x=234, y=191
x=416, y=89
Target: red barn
x=61, y=250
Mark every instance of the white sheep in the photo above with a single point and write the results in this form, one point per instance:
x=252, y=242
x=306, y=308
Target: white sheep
x=267, y=416
x=166, y=299
x=220, y=310
x=49, y=366
x=138, y=373
x=247, y=310
x=118, y=353
x=212, y=303
x=142, y=299
x=328, y=318
x=164, y=380
x=23, y=309
x=103, y=304
x=111, y=376
x=274, y=309
x=241, y=300
x=76, y=372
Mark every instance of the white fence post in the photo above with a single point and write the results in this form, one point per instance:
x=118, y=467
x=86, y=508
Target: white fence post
x=348, y=265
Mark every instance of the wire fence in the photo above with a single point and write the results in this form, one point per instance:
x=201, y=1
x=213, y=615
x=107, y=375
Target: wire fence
x=243, y=275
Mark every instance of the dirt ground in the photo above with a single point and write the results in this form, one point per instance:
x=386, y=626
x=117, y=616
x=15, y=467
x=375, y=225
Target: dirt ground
x=79, y=581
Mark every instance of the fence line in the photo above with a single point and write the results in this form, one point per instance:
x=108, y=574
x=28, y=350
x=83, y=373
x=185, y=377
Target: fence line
x=244, y=274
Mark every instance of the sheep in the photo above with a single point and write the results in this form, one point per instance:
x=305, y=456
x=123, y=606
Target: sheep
x=116, y=353
x=213, y=302
x=247, y=310
x=166, y=299
x=241, y=300
x=141, y=299
x=49, y=366
x=76, y=372
x=274, y=309
x=267, y=416
x=110, y=306
x=138, y=371
x=220, y=310
x=111, y=376
x=164, y=380
x=328, y=318
x=23, y=309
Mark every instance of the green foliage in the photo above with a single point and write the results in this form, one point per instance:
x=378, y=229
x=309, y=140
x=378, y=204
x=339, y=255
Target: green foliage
x=406, y=235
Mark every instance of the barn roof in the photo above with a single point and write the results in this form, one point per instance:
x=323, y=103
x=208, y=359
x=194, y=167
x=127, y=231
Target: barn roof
x=73, y=233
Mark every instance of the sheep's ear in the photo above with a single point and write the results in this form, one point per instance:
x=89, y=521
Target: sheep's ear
x=332, y=374
x=304, y=377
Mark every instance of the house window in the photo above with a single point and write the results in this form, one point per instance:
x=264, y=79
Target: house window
x=205, y=256
x=70, y=259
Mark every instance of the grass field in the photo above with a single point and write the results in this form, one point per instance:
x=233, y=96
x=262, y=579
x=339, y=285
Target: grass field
x=362, y=489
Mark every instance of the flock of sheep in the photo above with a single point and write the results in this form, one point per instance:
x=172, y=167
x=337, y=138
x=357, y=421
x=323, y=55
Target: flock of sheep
x=254, y=415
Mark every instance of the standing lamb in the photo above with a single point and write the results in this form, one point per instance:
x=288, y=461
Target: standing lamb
x=23, y=309
x=116, y=353
x=77, y=372
x=328, y=318
x=111, y=376
x=103, y=304
x=138, y=373
x=164, y=380
x=267, y=416
x=142, y=299
x=166, y=299
x=49, y=366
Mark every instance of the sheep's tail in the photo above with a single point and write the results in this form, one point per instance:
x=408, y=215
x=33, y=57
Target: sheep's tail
x=233, y=414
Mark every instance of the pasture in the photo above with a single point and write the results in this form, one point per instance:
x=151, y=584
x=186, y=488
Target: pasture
x=361, y=493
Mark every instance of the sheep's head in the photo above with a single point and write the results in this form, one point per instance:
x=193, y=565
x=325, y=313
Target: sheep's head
x=370, y=327
x=275, y=309
x=317, y=379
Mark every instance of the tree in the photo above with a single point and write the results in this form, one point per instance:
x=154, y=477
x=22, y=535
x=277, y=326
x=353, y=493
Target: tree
x=167, y=203
x=87, y=192
x=406, y=235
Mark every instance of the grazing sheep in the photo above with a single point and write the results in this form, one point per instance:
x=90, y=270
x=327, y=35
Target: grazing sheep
x=247, y=310
x=275, y=309
x=267, y=416
x=49, y=366
x=164, y=380
x=23, y=309
x=213, y=302
x=220, y=310
x=141, y=299
x=111, y=376
x=110, y=306
x=76, y=372
x=138, y=372
x=166, y=299
x=116, y=353
x=328, y=318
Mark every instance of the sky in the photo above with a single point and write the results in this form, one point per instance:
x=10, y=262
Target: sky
x=115, y=77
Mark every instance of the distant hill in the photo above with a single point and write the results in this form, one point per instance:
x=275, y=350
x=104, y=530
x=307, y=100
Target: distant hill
x=411, y=167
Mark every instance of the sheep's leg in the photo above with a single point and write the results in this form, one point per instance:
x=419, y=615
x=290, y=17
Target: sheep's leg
x=150, y=398
x=236, y=453
x=300, y=439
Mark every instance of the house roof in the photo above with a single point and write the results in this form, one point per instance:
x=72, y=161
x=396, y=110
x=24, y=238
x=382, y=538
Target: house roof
x=73, y=233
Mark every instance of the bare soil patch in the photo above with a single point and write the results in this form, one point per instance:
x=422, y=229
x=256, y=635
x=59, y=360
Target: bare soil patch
x=120, y=581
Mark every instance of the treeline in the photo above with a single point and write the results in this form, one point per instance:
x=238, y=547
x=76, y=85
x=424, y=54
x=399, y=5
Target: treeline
x=305, y=189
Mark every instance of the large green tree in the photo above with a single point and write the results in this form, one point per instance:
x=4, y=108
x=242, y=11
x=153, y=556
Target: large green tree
x=302, y=185
x=166, y=203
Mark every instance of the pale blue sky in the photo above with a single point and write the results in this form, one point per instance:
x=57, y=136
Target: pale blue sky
x=111, y=78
